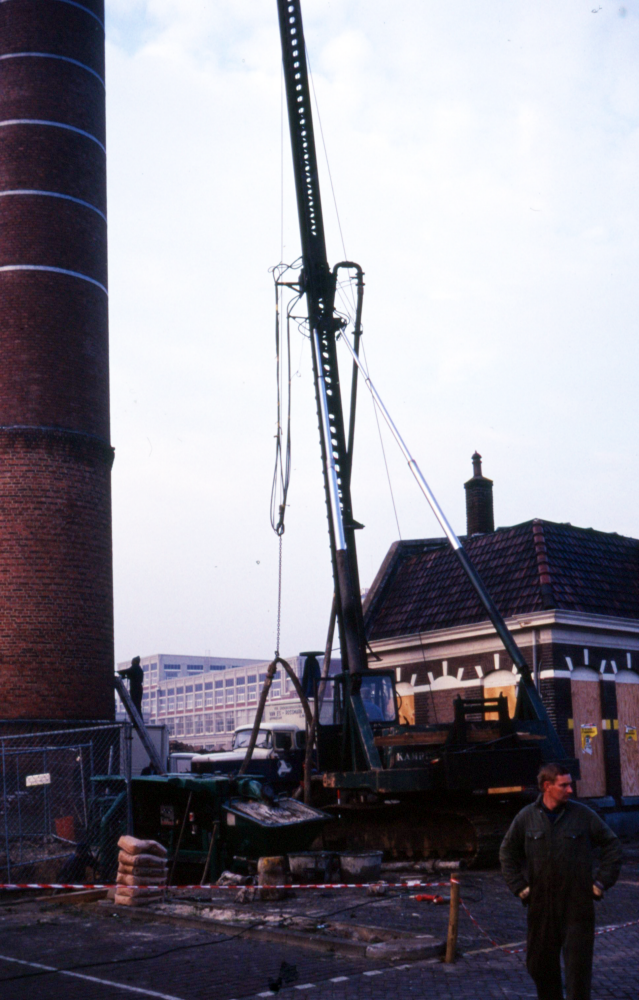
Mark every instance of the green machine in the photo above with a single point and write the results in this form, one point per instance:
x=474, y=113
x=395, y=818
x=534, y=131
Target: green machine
x=210, y=822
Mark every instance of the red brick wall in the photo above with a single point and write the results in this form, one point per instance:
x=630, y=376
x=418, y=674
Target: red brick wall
x=56, y=617
x=56, y=606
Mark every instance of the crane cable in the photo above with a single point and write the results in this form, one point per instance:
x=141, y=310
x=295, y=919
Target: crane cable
x=282, y=467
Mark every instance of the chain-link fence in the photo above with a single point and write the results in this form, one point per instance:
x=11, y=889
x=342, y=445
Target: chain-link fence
x=62, y=803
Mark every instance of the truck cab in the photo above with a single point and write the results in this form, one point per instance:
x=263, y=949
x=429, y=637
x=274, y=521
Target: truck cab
x=278, y=755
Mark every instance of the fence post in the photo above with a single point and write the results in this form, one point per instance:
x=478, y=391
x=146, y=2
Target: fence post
x=6, y=817
x=19, y=808
x=453, y=921
x=47, y=800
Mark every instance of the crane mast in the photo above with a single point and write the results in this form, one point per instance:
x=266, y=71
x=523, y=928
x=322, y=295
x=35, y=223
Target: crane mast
x=318, y=283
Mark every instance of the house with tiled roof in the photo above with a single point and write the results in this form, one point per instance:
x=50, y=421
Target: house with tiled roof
x=569, y=595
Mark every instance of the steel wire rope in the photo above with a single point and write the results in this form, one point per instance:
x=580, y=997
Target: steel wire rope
x=381, y=441
x=390, y=486
x=282, y=466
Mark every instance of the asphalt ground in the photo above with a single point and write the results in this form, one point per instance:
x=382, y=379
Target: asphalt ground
x=79, y=953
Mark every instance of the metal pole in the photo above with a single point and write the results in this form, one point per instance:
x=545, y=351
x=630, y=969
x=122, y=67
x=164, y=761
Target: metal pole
x=128, y=764
x=216, y=826
x=312, y=729
x=453, y=921
x=6, y=817
x=270, y=673
x=179, y=843
x=19, y=807
x=47, y=802
x=84, y=793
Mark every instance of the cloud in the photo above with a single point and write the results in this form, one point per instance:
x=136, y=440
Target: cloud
x=483, y=159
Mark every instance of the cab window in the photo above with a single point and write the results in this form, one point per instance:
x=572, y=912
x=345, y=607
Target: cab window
x=283, y=741
x=378, y=698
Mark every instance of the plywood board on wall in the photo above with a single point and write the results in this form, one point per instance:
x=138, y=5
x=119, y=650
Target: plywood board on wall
x=586, y=711
x=406, y=704
x=510, y=694
x=628, y=711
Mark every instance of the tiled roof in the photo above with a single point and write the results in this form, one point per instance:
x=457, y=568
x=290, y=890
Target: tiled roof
x=530, y=567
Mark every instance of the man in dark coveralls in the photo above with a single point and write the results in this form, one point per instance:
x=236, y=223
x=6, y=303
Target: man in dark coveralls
x=547, y=860
x=135, y=676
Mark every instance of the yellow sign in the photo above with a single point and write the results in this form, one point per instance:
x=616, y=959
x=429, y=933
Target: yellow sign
x=631, y=734
x=588, y=734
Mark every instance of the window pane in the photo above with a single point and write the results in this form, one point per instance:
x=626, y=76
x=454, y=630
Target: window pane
x=276, y=686
x=230, y=691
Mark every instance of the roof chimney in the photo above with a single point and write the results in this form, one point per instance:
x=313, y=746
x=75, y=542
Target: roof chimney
x=479, y=501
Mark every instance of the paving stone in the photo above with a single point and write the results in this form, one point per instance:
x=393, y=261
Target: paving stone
x=129, y=960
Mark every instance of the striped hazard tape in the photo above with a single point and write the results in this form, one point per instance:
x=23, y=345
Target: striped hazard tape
x=320, y=885
x=517, y=951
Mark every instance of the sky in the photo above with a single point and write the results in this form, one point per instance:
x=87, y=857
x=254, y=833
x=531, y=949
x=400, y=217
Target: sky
x=483, y=159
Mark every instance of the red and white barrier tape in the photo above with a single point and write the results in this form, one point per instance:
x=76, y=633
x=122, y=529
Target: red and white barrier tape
x=322, y=885
x=616, y=927
x=517, y=951
x=510, y=951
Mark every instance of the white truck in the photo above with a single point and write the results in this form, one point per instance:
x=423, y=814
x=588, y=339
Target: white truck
x=278, y=755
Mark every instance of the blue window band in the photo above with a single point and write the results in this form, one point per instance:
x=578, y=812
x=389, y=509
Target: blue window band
x=54, y=270
x=54, y=194
x=39, y=121
x=80, y=6
x=50, y=55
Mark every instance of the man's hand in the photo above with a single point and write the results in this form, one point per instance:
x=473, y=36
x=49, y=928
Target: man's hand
x=524, y=894
x=597, y=891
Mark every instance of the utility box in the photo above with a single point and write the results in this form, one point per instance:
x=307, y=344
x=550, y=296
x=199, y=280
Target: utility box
x=159, y=736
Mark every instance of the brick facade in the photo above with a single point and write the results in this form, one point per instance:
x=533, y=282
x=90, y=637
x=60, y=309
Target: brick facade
x=56, y=611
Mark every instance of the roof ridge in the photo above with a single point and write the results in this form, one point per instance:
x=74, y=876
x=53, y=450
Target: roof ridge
x=543, y=566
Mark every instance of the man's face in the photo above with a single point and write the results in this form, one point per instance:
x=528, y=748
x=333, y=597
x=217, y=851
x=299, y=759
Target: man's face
x=558, y=791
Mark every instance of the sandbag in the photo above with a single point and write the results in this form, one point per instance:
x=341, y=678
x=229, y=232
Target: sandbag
x=134, y=846
x=124, y=879
x=137, y=891
x=136, y=861
x=121, y=900
x=155, y=873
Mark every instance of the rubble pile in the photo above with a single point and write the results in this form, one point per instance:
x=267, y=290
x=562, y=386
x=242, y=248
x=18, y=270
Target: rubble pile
x=142, y=868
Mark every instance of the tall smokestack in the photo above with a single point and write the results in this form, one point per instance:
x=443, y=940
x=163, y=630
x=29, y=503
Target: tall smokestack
x=56, y=590
x=479, y=501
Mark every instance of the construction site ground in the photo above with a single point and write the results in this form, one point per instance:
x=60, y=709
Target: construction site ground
x=173, y=952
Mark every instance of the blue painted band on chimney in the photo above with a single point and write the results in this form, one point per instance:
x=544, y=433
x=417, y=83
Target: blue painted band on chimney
x=40, y=121
x=57, y=430
x=80, y=6
x=50, y=55
x=54, y=194
x=54, y=270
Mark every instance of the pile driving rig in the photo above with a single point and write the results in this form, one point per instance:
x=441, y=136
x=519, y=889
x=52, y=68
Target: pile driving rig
x=411, y=784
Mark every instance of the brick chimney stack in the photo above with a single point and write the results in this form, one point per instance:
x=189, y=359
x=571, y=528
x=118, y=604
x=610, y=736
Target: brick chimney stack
x=56, y=590
x=479, y=501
